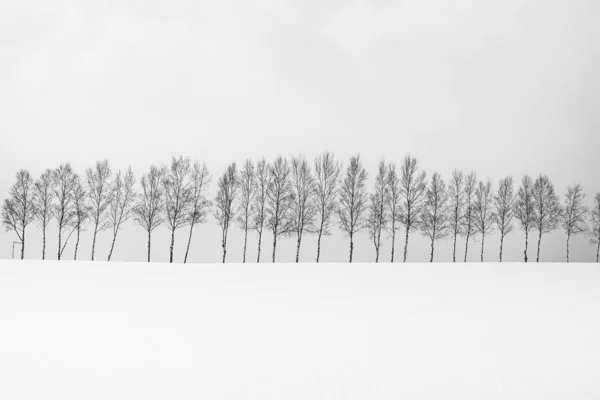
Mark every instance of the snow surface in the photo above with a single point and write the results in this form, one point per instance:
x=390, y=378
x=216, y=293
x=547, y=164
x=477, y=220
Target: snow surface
x=282, y=331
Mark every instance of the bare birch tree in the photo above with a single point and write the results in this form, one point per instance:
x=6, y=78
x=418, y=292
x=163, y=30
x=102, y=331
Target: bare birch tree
x=19, y=210
x=98, y=185
x=263, y=179
x=594, y=233
x=280, y=198
x=122, y=203
x=81, y=208
x=149, y=210
x=247, y=206
x=413, y=188
x=525, y=209
x=468, y=223
x=504, y=203
x=393, y=205
x=303, y=210
x=353, y=200
x=484, y=215
x=547, y=208
x=228, y=186
x=456, y=196
x=64, y=209
x=327, y=171
x=574, y=213
x=200, y=203
x=43, y=196
x=434, y=221
x=378, y=217
x=178, y=197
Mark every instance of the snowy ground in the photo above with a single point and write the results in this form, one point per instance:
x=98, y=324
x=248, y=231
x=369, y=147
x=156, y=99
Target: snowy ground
x=362, y=331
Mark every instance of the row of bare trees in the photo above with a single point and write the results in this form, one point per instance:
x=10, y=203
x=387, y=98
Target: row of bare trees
x=297, y=198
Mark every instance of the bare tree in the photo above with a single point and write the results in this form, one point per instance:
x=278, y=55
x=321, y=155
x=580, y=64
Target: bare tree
x=43, y=196
x=327, y=171
x=19, y=209
x=574, y=213
x=200, y=204
x=456, y=196
x=122, y=203
x=353, y=200
x=484, y=215
x=263, y=179
x=64, y=181
x=393, y=204
x=280, y=198
x=525, y=209
x=81, y=208
x=595, y=231
x=98, y=182
x=468, y=223
x=434, y=221
x=228, y=185
x=504, y=202
x=304, y=209
x=413, y=188
x=150, y=209
x=247, y=195
x=547, y=208
x=378, y=217
x=178, y=197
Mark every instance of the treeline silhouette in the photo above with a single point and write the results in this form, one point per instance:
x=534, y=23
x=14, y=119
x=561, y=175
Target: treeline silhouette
x=296, y=198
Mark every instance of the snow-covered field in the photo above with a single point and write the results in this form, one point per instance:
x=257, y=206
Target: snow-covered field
x=332, y=331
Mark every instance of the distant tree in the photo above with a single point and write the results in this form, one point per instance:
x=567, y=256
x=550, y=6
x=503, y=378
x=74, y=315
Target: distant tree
x=178, y=196
x=228, y=186
x=81, y=208
x=456, y=196
x=547, y=208
x=574, y=213
x=122, y=202
x=595, y=231
x=378, y=217
x=150, y=208
x=303, y=209
x=468, y=221
x=98, y=185
x=484, y=215
x=413, y=187
x=525, y=209
x=327, y=171
x=19, y=209
x=393, y=204
x=504, y=203
x=263, y=179
x=43, y=196
x=199, y=202
x=280, y=198
x=353, y=200
x=64, y=181
x=434, y=222
x=247, y=195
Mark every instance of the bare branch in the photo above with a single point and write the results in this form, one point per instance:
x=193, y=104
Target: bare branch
x=353, y=200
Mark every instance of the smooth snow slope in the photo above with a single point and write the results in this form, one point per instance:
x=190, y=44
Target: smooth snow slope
x=418, y=331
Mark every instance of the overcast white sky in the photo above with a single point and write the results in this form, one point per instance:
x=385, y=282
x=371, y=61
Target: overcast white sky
x=501, y=87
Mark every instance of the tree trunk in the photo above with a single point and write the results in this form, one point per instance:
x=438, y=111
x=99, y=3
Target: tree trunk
x=44, y=243
x=539, y=245
x=298, y=246
x=259, y=242
x=172, y=245
x=274, y=244
x=351, y=247
x=454, y=250
x=432, y=249
x=224, y=244
x=501, y=244
x=598, y=252
x=187, y=250
x=526, y=243
x=77, y=243
x=59, y=240
x=467, y=245
x=149, y=234
x=245, y=242
x=23, y=245
x=112, y=246
x=406, y=244
x=393, y=243
x=568, y=238
x=482, y=243
x=319, y=242
x=94, y=240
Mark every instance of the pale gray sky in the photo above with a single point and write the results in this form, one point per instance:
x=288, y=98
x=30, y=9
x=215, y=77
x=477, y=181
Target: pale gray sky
x=501, y=87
